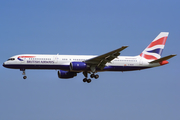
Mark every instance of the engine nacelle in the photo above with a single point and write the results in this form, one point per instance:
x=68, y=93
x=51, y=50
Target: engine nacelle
x=78, y=66
x=66, y=74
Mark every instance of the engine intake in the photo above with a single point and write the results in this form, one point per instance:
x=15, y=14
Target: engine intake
x=66, y=74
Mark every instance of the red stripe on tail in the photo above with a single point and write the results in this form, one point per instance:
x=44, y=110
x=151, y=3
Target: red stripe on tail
x=149, y=57
x=160, y=41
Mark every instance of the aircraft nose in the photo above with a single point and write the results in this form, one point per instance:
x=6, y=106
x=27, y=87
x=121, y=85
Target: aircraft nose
x=4, y=65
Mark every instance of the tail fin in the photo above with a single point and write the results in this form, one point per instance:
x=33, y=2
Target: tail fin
x=155, y=48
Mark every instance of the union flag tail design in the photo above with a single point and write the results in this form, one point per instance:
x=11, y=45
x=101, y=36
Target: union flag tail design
x=155, y=48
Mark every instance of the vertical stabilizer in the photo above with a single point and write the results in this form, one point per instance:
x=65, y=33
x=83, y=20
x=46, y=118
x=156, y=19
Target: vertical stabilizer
x=155, y=48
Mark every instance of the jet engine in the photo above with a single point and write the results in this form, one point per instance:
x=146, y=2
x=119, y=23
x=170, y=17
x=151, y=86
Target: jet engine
x=66, y=74
x=78, y=66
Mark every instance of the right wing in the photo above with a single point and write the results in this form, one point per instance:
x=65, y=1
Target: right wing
x=101, y=60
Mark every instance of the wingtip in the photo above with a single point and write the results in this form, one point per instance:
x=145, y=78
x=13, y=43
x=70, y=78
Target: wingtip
x=173, y=55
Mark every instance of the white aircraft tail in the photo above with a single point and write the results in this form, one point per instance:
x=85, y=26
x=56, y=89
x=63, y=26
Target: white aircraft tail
x=155, y=48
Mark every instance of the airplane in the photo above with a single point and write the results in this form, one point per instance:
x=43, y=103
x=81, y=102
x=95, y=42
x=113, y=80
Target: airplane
x=69, y=65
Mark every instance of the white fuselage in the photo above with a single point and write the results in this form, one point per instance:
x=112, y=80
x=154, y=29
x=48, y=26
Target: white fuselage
x=69, y=65
x=37, y=61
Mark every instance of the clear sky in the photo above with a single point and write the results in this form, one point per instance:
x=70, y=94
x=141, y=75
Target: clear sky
x=89, y=27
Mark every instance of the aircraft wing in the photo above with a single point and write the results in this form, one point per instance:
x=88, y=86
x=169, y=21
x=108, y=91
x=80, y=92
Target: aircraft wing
x=101, y=60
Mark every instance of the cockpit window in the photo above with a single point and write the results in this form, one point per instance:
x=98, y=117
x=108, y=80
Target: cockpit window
x=11, y=59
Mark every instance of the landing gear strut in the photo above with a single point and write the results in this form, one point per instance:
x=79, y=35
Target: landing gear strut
x=24, y=73
x=85, y=79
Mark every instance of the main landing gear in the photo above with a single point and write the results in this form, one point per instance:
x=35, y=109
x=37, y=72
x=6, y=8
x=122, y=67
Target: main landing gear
x=24, y=73
x=96, y=76
x=86, y=80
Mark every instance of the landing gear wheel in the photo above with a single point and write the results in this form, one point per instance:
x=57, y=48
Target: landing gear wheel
x=92, y=75
x=88, y=80
x=85, y=80
x=24, y=77
x=96, y=76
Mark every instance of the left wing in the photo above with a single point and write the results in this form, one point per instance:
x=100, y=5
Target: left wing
x=101, y=60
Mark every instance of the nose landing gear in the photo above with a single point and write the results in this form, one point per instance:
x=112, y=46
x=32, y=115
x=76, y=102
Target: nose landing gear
x=24, y=77
x=24, y=73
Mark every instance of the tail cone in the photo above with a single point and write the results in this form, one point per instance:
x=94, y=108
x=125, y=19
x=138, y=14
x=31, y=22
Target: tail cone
x=163, y=62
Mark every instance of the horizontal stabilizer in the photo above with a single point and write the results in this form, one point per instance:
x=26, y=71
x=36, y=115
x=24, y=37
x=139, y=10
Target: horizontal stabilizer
x=162, y=59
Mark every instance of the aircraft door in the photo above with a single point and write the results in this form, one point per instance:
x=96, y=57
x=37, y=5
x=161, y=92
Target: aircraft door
x=141, y=61
x=55, y=58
